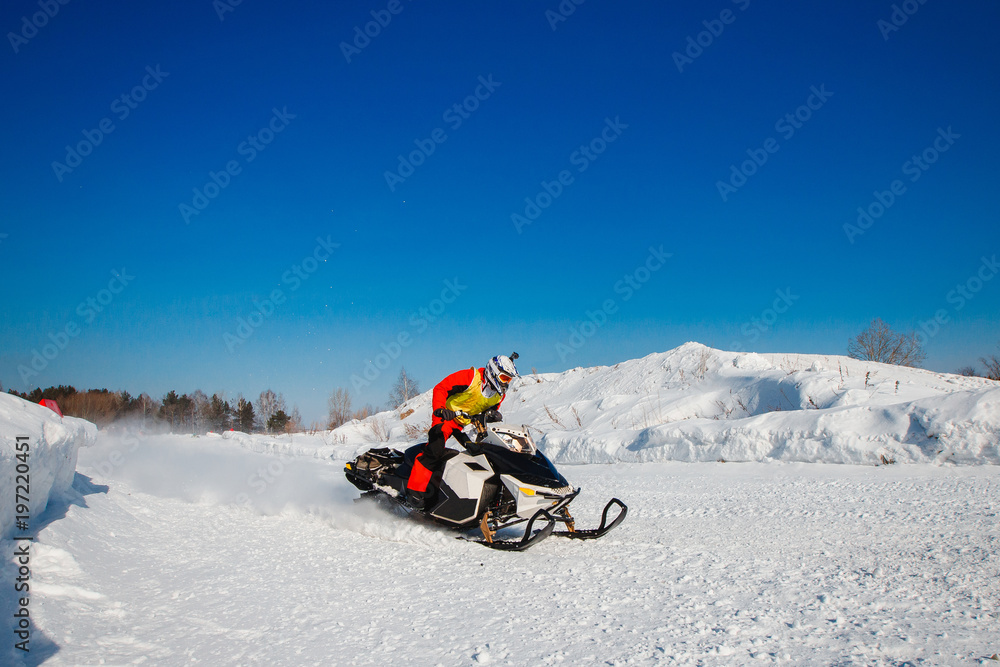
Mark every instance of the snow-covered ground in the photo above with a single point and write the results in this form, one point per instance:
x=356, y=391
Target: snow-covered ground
x=234, y=549
x=163, y=560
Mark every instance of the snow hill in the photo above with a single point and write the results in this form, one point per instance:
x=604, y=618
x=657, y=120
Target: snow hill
x=695, y=403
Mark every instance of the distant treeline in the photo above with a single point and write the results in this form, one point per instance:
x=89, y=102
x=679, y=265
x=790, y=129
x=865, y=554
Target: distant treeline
x=176, y=413
x=199, y=413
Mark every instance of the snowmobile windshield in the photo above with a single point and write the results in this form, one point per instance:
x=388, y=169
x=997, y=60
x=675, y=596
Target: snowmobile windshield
x=515, y=439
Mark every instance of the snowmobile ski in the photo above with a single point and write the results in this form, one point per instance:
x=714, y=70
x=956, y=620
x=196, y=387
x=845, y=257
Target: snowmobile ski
x=601, y=530
x=528, y=539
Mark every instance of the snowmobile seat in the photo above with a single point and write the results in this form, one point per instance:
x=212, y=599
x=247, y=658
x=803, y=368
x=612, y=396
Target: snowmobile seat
x=410, y=455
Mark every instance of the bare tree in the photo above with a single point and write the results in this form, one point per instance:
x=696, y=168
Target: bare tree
x=367, y=411
x=404, y=389
x=268, y=403
x=147, y=408
x=199, y=411
x=992, y=364
x=295, y=423
x=967, y=371
x=880, y=343
x=340, y=408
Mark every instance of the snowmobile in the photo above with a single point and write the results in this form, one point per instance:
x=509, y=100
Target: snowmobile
x=500, y=480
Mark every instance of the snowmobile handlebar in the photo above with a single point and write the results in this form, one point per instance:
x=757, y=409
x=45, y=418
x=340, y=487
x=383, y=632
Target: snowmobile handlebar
x=491, y=415
x=479, y=422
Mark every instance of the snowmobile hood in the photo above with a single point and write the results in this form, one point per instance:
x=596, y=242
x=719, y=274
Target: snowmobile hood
x=535, y=469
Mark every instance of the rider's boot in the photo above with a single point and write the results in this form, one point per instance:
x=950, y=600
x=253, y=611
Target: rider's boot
x=416, y=499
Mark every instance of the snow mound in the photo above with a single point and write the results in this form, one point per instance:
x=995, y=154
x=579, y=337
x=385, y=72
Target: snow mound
x=695, y=403
x=53, y=443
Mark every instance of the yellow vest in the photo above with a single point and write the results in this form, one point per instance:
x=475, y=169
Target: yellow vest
x=472, y=399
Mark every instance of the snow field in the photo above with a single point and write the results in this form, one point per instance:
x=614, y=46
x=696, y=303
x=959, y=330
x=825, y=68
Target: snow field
x=716, y=564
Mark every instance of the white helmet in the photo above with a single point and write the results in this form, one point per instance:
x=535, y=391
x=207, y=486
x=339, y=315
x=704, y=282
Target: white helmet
x=499, y=372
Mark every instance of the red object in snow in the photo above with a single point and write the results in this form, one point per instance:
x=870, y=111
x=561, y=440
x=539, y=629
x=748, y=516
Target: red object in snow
x=51, y=405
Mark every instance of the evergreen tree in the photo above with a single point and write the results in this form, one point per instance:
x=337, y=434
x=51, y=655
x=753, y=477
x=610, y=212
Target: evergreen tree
x=168, y=411
x=185, y=413
x=277, y=421
x=245, y=415
x=124, y=404
x=218, y=414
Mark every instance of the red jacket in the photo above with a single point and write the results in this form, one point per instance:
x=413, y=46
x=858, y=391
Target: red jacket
x=455, y=383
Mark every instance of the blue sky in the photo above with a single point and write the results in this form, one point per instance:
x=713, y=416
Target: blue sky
x=204, y=89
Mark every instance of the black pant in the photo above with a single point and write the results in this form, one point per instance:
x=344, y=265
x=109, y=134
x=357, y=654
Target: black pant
x=434, y=449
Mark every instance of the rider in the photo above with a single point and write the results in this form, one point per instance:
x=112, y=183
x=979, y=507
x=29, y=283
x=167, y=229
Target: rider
x=472, y=392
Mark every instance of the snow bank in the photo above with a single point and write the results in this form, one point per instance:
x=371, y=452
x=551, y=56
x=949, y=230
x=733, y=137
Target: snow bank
x=695, y=403
x=53, y=445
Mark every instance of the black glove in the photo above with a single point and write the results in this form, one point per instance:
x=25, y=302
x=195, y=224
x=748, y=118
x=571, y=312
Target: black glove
x=445, y=414
x=492, y=415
